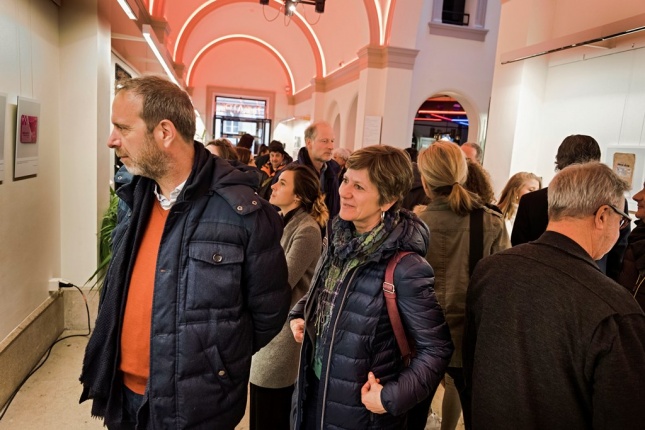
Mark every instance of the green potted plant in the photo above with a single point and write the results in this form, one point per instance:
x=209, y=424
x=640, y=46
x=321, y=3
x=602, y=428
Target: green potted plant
x=108, y=223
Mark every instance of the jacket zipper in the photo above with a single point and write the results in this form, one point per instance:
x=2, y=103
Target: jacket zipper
x=331, y=346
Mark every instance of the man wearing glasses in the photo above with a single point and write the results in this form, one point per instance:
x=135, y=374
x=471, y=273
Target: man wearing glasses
x=550, y=342
x=532, y=216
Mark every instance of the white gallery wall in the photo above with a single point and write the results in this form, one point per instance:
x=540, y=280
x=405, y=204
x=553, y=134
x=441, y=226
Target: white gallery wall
x=29, y=209
x=86, y=83
x=537, y=102
x=458, y=67
x=48, y=223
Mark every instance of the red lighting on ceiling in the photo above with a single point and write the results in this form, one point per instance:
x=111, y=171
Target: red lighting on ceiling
x=427, y=119
x=443, y=112
x=441, y=117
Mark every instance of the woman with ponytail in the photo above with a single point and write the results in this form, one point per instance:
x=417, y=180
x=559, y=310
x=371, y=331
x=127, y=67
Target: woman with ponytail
x=444, y=171
x=275, y=367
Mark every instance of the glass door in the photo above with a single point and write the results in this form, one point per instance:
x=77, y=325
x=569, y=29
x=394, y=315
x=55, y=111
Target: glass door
x=237, y=116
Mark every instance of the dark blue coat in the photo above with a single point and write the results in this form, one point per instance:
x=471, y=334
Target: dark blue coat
x=214, y=303
x=362, y=339
x=329, y=181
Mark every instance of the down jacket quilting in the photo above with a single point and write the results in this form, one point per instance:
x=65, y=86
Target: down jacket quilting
x=214, y=303
x=361, y=338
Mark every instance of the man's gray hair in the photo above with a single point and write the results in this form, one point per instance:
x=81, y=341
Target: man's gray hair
x=312, y=131
x=343, y=153
x=579, y=190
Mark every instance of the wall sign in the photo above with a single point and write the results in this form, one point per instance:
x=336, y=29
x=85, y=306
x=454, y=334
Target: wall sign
x=27, y=139
x=372, y=130
x=627, y=162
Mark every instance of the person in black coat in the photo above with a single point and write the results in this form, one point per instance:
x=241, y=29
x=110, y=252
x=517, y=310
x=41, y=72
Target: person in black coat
x=317, y=155
x=187, y=298
x=417, y=195
x=550, y=342
x=532, y=214
x=352, y=374
x=632, y=272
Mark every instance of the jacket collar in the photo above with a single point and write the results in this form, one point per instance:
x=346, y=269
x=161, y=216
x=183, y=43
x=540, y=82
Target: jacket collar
x=333, y=168
x=565, y=244
x=209, y=175
x=410, y=234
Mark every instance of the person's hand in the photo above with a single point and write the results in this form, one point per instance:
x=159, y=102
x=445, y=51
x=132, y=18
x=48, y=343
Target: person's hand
x=371, y=395
x=298, y=329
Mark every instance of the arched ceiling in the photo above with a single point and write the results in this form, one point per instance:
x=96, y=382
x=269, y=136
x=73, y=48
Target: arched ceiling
x=199, y=38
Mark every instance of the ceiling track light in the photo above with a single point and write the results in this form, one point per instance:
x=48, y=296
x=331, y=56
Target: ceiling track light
x=127, y=9
x=158, y=50
x=291, y=5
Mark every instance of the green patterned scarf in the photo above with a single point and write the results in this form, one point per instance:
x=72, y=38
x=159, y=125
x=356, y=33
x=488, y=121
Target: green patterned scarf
x=349, y=249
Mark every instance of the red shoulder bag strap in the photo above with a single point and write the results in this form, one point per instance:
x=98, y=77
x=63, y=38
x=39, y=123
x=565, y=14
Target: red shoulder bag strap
x=389, y=292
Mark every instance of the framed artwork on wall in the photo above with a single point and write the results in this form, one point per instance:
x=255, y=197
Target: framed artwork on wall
x=3, y=117
x=27, y=139
x=629, y=163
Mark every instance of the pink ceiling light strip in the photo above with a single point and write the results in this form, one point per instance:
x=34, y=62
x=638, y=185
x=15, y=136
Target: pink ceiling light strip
x=373, y=21
x=212, y=5
x=389, y=17
x=246, y=37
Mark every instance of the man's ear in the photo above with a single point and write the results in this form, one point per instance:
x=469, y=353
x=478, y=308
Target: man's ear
x=166, y=132
x=601, y=217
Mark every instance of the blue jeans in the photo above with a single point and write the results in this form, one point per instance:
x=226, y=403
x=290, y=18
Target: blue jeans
x=131, y=404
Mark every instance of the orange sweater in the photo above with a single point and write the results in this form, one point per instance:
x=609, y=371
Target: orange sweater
x=135, y=335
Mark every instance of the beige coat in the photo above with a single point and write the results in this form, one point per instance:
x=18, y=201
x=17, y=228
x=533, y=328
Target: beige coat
x=276, y=365
x=448, y=254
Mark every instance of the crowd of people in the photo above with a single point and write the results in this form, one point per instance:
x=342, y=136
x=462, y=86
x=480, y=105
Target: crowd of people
x=311, y=283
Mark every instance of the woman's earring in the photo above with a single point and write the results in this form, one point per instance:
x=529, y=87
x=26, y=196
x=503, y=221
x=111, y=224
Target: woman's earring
x=382, y=215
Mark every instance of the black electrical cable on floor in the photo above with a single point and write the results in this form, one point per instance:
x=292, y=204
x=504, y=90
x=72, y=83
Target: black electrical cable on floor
x=46, y=355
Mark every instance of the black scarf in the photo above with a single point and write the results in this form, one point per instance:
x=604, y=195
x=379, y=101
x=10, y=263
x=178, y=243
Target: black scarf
x=100, y=360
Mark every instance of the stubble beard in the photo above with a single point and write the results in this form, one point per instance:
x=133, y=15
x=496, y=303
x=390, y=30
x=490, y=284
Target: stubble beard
x=152, y=162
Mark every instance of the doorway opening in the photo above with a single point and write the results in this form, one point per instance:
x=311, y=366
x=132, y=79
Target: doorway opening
x=440, y=117
x=237, y=116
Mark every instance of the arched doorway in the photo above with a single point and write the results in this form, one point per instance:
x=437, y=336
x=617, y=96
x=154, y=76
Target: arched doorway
x=440, y=117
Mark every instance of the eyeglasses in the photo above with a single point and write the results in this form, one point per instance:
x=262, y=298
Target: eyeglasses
x=625, y=220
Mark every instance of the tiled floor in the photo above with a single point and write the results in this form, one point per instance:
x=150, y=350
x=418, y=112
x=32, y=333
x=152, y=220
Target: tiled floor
x=49, y=399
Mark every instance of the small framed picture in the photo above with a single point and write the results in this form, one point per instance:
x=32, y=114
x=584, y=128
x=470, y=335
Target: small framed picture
x=27, y=139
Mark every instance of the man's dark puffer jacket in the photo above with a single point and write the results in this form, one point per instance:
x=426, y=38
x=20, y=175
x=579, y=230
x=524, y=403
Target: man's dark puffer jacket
x=214, y=302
